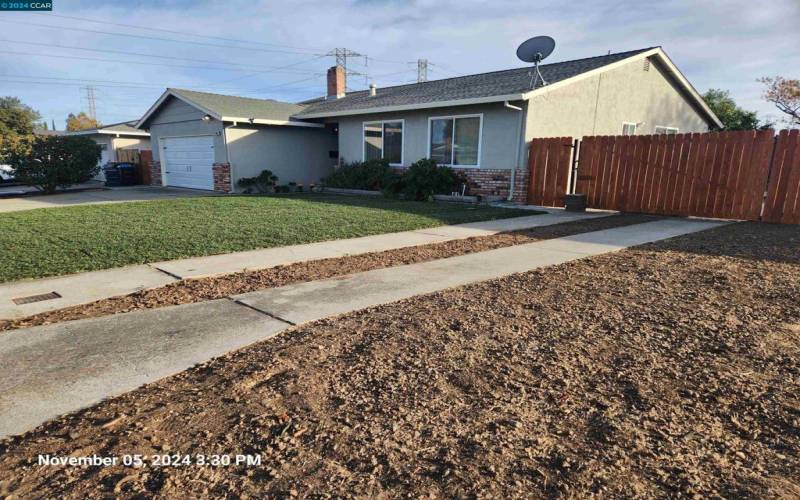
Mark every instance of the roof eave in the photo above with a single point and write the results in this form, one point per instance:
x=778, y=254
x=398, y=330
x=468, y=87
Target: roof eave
x=408, y=107
x=264, y=121
x=167, y=93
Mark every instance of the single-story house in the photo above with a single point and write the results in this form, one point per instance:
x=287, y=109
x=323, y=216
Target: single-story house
x=210, y=141
x=479, y=124
x=115, y=137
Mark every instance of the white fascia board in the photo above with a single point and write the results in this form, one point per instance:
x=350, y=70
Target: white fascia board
x=426, y=105
x=117, y=133
x=259, y=121
x=659, y=53
x=160, y=101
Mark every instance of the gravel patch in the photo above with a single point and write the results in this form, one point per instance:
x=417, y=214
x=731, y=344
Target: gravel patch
x=669, y=369
x=198, y=290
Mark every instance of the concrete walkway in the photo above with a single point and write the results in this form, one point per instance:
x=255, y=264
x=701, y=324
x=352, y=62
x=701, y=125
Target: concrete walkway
x=87, y=287
x=113, y=195
x=54, y=369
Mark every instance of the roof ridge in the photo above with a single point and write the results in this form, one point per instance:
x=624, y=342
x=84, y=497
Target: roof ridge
x=632, y=52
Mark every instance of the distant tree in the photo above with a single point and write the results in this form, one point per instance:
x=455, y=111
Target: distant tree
x=81, y=121
x=785, y=95
x=732, y=116
x=50, y=162
x=16, y=118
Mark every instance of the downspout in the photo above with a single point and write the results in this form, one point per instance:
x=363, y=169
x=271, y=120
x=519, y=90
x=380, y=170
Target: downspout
x=519, y=146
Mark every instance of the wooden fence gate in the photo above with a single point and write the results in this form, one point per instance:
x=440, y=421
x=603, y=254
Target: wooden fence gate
x=751, y=175
x=782, y=203
x=549, y=162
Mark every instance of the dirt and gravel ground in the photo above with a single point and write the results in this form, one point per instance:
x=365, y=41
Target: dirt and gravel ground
x=665, y=370
x=198, y=290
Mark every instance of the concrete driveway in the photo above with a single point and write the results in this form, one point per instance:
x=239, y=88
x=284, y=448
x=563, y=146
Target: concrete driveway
x=113, y=195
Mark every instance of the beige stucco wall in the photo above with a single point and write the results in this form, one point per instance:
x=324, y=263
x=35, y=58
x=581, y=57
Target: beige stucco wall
x=598, y=105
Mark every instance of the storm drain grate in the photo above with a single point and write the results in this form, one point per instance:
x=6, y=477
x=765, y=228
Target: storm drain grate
x=36, y=298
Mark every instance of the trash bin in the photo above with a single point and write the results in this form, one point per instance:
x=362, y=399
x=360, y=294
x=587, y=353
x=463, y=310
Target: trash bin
x=575, y=202
x=120, y=174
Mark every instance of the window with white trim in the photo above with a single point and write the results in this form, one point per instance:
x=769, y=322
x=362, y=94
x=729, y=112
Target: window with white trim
x=666, y=130
x=628, y=128
x=384, y=140
x=455, y=140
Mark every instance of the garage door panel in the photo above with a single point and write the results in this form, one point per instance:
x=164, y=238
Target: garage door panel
x=189, y=161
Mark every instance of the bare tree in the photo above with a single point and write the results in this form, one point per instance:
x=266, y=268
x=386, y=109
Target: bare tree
x=785, y=94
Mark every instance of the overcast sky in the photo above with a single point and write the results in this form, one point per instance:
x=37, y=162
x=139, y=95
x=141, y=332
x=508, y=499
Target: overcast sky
x=276, y=49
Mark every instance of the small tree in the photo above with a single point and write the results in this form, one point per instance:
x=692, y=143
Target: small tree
x=81, y=121
x=785, y=95
x=732, y=116
x=16, y=118
x=262, y=183
x=51, y=162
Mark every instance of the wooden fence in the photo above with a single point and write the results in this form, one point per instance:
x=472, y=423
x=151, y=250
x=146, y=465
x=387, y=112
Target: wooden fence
x=549, y=163
x=748, y=174
x=782, y=203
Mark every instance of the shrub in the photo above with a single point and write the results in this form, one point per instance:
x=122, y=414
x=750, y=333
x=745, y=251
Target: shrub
x=424, y=178
x=374, y=175
x=262, y=183
x=51, y=162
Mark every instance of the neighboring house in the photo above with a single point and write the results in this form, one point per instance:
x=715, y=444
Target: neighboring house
x=114, y=137
x=479, y=124
x=210, y=141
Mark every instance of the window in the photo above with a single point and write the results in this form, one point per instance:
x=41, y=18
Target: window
x=384, y=140
x=666, y=130
x=455, y=140
x=628, y=128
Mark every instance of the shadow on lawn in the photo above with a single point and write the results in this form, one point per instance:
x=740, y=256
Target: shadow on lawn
x=438, y=210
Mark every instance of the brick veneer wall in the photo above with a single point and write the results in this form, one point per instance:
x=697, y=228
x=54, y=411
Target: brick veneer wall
x=155, y=173
x=222, y=177
x=495, y=182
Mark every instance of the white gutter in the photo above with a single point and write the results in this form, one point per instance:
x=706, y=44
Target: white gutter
x=407, y=107
x=260, y=121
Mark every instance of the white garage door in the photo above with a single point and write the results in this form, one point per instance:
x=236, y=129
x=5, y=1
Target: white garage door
x=188, y=161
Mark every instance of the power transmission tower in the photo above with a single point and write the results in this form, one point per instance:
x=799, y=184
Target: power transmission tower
x=91, y=101
x=422, y=70
x=341, y=55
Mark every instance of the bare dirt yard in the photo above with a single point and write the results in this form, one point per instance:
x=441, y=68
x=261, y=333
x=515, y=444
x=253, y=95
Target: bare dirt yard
x=664, y=370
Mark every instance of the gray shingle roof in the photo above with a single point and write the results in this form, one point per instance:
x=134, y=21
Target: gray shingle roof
x=125, y=127
x=496, y=83
x=241, y=107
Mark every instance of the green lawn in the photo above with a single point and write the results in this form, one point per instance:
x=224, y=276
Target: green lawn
x=55, y=241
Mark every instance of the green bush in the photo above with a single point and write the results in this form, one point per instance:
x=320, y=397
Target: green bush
x=373, y=175
x=262, y=183
x=51, y=162
x=424, y=178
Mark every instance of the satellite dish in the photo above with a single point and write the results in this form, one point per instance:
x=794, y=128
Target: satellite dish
x=534, y=50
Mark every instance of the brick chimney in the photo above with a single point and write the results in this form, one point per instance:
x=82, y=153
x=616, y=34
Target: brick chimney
x=336, y=82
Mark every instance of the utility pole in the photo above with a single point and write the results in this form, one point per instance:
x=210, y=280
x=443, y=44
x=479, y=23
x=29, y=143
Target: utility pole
x=91, y=101
x=422, y=70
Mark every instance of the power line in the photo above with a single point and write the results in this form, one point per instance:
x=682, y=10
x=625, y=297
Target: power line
x=172, y=58
x=110, y=33
x=96, y=21
x=170, y=65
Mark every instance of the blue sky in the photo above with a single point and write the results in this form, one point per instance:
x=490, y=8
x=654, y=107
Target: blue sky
x=277, y=49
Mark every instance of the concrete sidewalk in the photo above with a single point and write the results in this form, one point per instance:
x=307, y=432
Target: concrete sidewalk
x=54, y=369
x=87, y=287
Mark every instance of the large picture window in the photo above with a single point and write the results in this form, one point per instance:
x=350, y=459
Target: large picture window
x=455, y=140
x=384, y=140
